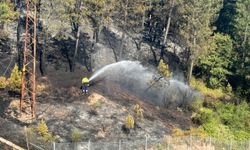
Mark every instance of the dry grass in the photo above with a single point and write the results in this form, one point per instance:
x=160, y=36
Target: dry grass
x=200, y=86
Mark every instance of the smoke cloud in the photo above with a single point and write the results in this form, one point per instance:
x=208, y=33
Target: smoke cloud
x=146, y=84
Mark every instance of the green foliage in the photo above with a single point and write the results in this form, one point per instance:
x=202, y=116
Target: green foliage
x=42, y=128
x=43, y=131
x=242, y=46
x=225, y=121
x=225, y=21
x=200, y=86
x=129, y=122
x=196, y=104
x=197, y=16
x=193, y=131
x=7, y=12
x=164, y=69
x=215, y=63
x=76, y=136
x=15, y=80
x=3, y=82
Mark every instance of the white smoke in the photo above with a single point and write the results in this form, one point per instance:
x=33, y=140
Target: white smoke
x=146, y=84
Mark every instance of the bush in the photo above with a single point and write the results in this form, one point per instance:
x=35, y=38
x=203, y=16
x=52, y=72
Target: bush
x=75, y=135
x=196, y=104
x=129, y=122
x=43, y=131
x=15, y=80
x=200, y=86
x=193, y=131
x=225, y=121
x=138, y=111
x=164, y=69
x=3, y=83
x=42, y=128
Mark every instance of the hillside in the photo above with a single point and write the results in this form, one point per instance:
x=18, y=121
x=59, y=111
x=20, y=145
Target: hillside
x=98, y=116
x=158, y=70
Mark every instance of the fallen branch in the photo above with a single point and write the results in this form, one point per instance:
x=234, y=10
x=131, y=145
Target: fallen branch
x=14, y=146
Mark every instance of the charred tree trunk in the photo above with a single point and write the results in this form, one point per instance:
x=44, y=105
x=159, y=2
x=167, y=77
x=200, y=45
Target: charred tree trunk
x=20, y=31
x=154, y=55
x=42, y=45
x=43, y=55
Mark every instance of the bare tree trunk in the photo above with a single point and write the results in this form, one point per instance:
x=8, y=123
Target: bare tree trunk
x=125, y=26
x=143, y=20
x=191, y=61
x=190, y=70
x=76, y=50
x=169, y=22
x=43, y=54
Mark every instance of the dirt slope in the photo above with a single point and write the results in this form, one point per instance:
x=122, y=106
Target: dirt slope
x=98, y=116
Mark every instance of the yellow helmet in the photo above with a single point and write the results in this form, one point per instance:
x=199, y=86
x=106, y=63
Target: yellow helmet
x=85, y=80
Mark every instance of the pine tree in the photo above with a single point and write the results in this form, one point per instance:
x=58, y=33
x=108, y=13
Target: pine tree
x=195, y=27
x=214, y=65
x=242, y=44
x=15, y=80
x=42, y=128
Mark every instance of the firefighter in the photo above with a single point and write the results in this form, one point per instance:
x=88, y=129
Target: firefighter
x=85, y=85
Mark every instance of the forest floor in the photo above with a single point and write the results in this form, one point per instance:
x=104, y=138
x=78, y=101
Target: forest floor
x=99, y=116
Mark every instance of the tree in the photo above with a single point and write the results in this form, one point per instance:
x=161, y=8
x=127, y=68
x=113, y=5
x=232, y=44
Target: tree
x=214, y=65
x=224, y=23
x=164, y=69
x=195, y=27
x=154, y=30
x=100, y=12
x=241, y=38
x=130, y=16
x=7, y=13
x=15, y=80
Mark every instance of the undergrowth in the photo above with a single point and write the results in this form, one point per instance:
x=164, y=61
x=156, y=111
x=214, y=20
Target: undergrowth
x=221, y=119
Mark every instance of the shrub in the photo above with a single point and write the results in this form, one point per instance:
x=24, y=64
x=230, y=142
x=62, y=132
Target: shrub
x=224, y=121
x=42, y=128
x=15, y=80
x=129, y=122
x=196, y=104
x=75, y=135
x=193, y=131
x=204, y=115
x=43, y=131
x=200, y=86
x=138, y=111
x=164, y=69
x=3, y=83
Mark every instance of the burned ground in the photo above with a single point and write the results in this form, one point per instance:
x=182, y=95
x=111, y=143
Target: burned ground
x=99, y=116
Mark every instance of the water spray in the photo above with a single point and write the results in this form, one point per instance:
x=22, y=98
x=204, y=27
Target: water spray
x=144, y=83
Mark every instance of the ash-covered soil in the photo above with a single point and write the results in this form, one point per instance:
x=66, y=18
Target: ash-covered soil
x=99, y=116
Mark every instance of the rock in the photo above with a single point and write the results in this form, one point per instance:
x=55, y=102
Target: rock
x=102, y=56
x=100, y=134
